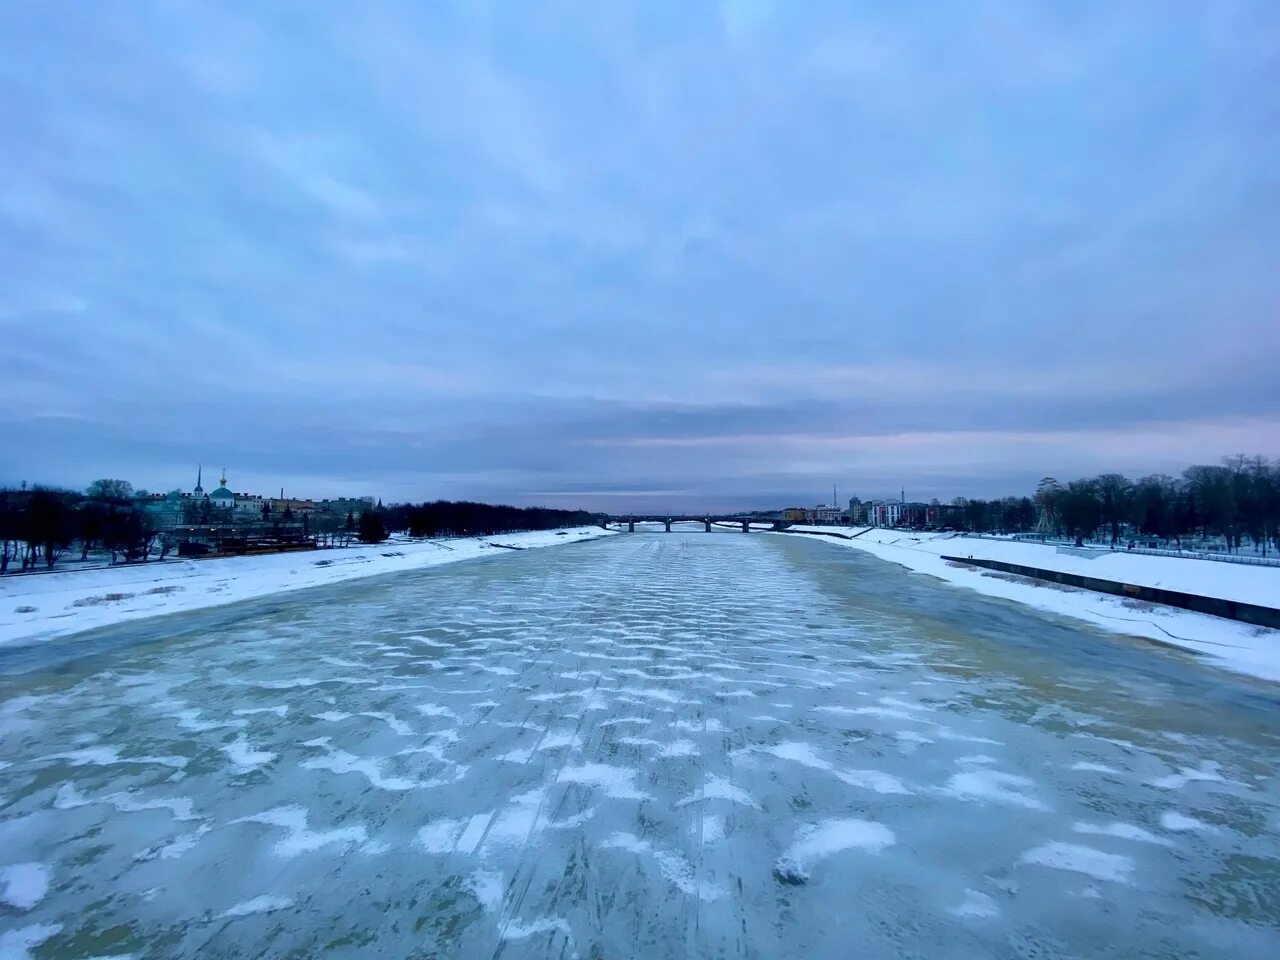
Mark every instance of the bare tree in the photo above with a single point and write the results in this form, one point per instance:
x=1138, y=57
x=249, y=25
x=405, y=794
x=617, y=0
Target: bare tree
x=110, y=489
x=10, y=531
x=1113, y=492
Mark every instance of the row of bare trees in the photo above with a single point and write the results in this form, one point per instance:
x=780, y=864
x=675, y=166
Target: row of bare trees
x=38, y=527
x=450, y=517
x=1233, y=501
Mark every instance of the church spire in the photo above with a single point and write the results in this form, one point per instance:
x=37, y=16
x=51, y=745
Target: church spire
x=199, y=480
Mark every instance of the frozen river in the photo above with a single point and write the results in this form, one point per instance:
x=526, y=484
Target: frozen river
x=645, y=746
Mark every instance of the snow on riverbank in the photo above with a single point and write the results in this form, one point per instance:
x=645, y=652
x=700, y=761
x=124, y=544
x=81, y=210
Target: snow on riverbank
x=48, y=605
x=1233, y=645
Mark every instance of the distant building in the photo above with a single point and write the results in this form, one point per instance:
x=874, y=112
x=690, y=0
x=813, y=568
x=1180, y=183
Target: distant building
x=224, y=505
x=857, y=511
x=795, y=515
x=913, y=515
x=939, y=516
x=884, y=513
x=823, y=515
x=222, y=498
x=345, y=505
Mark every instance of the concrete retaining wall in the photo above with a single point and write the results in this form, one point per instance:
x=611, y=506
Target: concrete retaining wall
x=1231, y=609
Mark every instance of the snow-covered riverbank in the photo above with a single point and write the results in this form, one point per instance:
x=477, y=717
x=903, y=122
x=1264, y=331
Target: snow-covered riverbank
x=44, y=606
x=1236, y=646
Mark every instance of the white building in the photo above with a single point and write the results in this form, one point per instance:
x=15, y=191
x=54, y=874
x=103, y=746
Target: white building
x=884, y=513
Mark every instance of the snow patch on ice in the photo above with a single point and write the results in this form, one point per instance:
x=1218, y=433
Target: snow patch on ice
x=245, y=758
x=705, y=725
x=679, y=748
x=515, y=930
x=174, y=848
x=439, y=836
x=1173, y=820
x=943, y=733
x=263, y=904
x=1206, y=773
x=279, y=711
x=435, y=710
x=17, y=944
x=676, y=869
x=488, y=888
x=68, y=798
x=1124, y=831
x=717, y=788
x=339, y=761
x=23, y=884
x=108, y=756
x=1086, y=766
x=616, y=782
x=983, y=785
x=976, y=905
x=514, y=824
x=298, y=839
x=818, y=841
x=712, y=828
x=1079, y=859
x=803, y=754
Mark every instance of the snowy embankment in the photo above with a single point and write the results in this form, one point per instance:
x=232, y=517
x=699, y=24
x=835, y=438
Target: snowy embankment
x=48, y=605
x=1234, y=645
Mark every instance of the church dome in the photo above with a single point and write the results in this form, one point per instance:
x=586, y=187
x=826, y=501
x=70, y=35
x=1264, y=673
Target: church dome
x=222, y=493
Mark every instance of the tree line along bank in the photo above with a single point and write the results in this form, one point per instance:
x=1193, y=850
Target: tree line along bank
x=41, y=526
x=1235, y=503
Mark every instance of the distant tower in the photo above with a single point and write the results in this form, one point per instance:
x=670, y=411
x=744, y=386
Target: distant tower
x=904, y=495
x=199, y=490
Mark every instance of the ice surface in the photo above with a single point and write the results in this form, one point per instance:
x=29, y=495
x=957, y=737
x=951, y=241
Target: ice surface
x=1234, y=645
x=183, y=772
x=197, y=584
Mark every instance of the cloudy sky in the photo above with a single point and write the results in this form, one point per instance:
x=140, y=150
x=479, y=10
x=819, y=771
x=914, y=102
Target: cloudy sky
x=633, y=256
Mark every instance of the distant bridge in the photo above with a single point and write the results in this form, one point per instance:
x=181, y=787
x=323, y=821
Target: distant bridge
x=706, y=519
